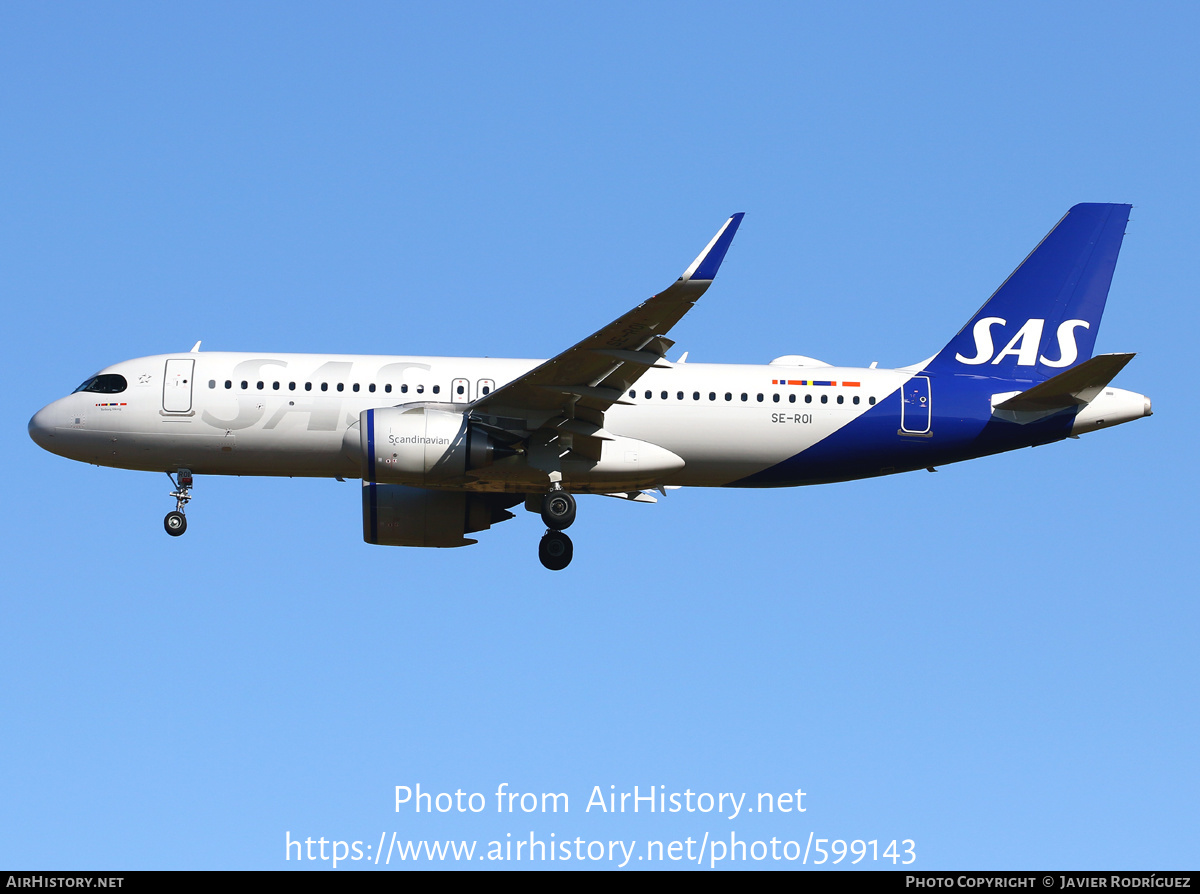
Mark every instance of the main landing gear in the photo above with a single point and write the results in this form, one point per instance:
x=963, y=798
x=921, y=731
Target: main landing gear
x=176, y=522
x=555, y=550
x=558, y=509
x=558, y=512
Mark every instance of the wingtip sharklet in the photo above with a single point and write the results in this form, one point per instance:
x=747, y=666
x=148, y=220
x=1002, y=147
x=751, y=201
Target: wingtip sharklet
x=705, y=267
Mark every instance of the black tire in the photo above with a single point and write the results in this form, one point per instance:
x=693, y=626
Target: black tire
x=175, y=523
x=558, y=510
x=556, y=550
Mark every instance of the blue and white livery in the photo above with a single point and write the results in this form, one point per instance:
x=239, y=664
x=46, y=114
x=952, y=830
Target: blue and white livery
x=446, y=446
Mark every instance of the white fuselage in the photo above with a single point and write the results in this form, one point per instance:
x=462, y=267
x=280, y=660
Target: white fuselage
x=297, y=414
x=445, y=446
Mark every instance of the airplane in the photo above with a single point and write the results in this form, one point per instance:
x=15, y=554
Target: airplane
x=445, y=446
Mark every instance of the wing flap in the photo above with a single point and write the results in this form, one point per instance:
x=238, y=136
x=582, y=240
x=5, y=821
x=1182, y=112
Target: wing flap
x=599, y=393
x=647, y=359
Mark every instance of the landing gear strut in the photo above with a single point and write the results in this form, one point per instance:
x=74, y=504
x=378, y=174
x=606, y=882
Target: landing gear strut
x=555, y=550
x=176, y=522
x=558, y=512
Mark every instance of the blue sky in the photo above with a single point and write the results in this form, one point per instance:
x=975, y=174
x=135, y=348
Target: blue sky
x=997, y=661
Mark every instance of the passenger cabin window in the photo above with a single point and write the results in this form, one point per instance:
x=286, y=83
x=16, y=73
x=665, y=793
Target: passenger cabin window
x=109, y=383
x=371, y=387
x=356, y=386
x=871, y=401
x=387, y=388
x=341, y=387
x=228, y=384
x=324, y=386
x=437, y=389
x=275, y=386
x=308, y=386
x=212, y=383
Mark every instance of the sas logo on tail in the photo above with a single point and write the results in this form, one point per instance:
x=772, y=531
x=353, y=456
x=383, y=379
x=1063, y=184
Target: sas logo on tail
x=1024, y=345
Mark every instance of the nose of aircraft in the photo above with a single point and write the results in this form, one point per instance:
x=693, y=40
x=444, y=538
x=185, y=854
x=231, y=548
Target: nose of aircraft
x=41, y=427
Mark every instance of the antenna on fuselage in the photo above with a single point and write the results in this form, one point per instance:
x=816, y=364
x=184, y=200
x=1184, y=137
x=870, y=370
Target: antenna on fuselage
x=195, y=348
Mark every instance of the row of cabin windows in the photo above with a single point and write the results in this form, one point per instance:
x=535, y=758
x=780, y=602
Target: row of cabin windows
x=436, y=389
x=791, y=398
x=340, y=386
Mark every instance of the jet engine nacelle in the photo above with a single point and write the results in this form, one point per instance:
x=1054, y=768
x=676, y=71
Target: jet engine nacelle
x=421, y=446
x=396, y=515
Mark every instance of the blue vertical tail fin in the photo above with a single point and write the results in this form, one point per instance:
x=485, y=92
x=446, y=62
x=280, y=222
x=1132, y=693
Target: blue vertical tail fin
x=1044, y=317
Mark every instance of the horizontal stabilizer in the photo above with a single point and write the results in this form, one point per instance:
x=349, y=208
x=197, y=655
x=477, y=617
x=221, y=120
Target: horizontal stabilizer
x=1076, y=387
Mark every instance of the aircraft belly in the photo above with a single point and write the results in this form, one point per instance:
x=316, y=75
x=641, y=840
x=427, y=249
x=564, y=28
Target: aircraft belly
x=103, y=448
x=176, y=444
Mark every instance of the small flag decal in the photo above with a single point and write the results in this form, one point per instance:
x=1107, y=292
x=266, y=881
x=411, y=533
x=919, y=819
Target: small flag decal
x=810, y=383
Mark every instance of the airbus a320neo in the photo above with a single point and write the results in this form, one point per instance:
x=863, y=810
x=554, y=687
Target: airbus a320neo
x=445, y=446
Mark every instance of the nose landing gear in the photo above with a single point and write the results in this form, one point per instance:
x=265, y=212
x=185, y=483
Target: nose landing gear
x=176, y=522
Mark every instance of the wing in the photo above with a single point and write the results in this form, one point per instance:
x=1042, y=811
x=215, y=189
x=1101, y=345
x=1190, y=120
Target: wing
x=572, y=391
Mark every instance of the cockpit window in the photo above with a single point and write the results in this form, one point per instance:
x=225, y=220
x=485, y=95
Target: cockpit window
x=106, y=384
